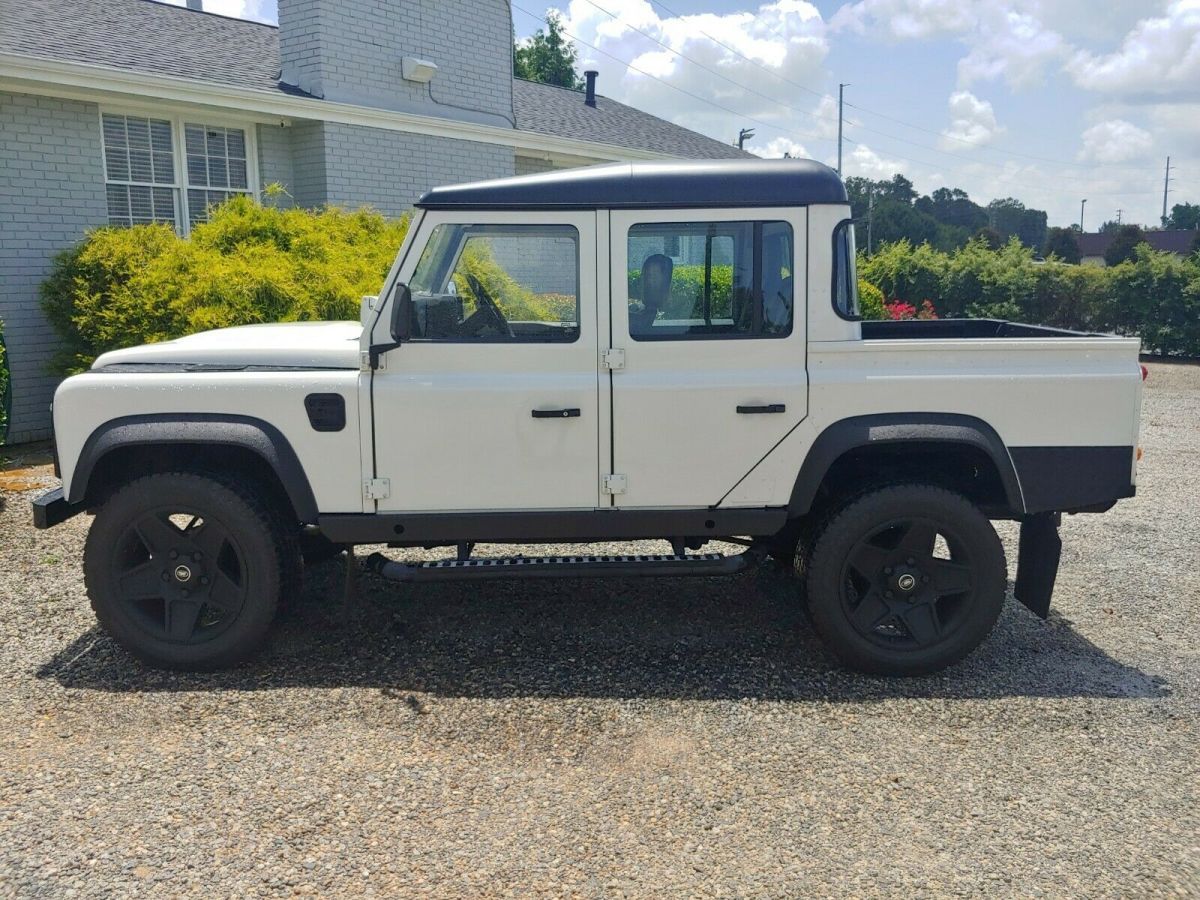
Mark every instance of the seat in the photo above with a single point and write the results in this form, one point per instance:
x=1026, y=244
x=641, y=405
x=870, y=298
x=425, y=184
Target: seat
x=656, y=288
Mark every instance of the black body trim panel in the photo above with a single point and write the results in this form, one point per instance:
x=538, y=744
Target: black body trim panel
x=899, y=428
x=253, y=434
x=549, y=526
x=52, y=508
x=1066, y=479
x=671, y=184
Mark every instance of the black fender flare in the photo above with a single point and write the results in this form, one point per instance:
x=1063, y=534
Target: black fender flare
x=898, y=428
x=255, y=435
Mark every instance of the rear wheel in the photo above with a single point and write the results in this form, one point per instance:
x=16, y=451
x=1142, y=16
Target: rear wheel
x=905, y=580
x=185, y=570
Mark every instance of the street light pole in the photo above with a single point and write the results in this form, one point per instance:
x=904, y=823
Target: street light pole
x=1082, y=204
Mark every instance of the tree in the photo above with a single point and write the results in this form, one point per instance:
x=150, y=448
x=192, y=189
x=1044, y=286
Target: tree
x=1011, y=218
x=991, y=237
x=1061, y=242
x=1110, y=225
x=1124, y=244
x=548, y=57
x=1185, y=216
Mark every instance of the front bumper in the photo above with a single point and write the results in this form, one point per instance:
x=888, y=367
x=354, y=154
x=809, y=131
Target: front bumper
x=53, y=508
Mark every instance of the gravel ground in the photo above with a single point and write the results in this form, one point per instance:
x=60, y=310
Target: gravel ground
x=621, y=737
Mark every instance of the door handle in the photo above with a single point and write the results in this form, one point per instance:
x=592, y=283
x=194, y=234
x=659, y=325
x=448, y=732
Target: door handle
x=769, y=408
x=571, y=413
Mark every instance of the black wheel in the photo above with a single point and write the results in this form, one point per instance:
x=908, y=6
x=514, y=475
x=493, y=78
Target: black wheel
x=906, y=580
x=185, y=571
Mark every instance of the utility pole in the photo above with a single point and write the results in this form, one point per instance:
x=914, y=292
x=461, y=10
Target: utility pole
x=744, y=135
x=1119, y=211
x=870, y=219
x=841, y=92
x=1166, y=189
x=1082, y=204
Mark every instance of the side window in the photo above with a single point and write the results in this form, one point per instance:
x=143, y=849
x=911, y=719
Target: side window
x=845, y=275
x=704, y=280
x=497, y=284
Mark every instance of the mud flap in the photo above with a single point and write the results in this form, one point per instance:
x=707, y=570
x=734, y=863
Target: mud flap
x=1037, y=562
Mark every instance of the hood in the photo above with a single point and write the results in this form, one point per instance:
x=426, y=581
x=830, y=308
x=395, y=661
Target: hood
x=304, y=345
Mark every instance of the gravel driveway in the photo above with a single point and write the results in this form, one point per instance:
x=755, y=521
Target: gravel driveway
x=621, y=737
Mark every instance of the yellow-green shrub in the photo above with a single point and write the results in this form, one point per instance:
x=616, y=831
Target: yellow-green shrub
x=248, y=264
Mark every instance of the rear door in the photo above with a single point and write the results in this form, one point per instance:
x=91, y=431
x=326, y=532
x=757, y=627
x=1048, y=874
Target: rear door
x=709, y=309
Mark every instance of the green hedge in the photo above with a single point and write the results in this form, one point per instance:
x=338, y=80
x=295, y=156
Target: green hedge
x=248, y=264
x=1154, y=295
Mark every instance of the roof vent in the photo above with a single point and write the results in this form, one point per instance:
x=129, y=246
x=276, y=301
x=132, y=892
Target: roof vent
x=590, y=96
x=197, y=5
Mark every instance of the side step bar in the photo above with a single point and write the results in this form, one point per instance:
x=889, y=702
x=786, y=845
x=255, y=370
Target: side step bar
x=562, y=567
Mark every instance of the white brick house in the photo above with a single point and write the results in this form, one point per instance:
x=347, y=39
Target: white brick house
x=119, y=111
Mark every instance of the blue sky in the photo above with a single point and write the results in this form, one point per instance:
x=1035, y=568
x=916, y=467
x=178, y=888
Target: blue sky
x=1050, y=101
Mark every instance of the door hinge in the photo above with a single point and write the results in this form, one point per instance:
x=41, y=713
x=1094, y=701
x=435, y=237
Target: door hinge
x=612, y=358
x=613, y=484
x=377, y=488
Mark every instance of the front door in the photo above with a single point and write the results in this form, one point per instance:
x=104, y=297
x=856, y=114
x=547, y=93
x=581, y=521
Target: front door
x=708, y=306
x=493, y=403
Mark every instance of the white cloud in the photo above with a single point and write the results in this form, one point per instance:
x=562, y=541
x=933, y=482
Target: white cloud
x=1115, y=141
x=1013, y=46
x=867, y=163
x=1003, y=40
x=972, y=121
x=1160, y=56
x=786, y=37
x=777, y=147
x=905, y=19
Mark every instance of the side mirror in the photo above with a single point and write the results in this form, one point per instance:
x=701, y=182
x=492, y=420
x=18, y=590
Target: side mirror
x=402, y=313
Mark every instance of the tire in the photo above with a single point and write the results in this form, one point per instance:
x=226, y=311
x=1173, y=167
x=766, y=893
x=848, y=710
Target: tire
x=186, y=571
x=905, y=580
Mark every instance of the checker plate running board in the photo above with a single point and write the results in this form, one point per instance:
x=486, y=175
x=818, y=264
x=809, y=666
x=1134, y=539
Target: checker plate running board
x=630, y=566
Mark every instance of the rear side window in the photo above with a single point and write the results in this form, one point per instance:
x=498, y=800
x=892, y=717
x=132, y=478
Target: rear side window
x=845, y=276
x=706, y=280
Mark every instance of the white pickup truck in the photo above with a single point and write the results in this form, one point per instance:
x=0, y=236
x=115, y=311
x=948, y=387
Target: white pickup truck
x=652, y=351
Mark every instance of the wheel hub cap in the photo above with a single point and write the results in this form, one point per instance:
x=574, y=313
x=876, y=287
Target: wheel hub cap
x=183, y=573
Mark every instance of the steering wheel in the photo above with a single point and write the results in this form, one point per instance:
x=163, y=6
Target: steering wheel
x=487, y=306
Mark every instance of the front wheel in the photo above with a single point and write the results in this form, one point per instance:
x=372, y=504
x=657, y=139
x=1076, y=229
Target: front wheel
x=906, y=580
x=186, y=570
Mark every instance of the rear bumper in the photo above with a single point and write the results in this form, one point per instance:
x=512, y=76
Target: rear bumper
x=52, y=508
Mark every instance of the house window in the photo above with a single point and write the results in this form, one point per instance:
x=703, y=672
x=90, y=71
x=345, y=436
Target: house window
x=160, y=169
x=216, y=167
x=139, y=163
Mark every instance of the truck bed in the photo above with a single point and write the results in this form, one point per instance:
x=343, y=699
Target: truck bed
x=960, y=329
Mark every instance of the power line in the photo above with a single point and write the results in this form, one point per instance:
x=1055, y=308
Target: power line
x=830, y=97
x=694, y=96
x=1011, y=179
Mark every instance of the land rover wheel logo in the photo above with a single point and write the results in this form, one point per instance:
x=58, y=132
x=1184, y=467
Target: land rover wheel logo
x=183, y=573
x=904, y=582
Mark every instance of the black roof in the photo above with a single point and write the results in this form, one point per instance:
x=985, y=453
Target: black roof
x=652, y=185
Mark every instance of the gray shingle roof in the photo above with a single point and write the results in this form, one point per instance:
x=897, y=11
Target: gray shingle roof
x=148, y=36
x=554, y=110
x=144, y=36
